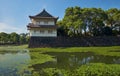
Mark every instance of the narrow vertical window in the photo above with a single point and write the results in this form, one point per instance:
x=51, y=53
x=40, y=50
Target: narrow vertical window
x=41, y=31
x=50, y=31
x=46, y=22
x=34, y=31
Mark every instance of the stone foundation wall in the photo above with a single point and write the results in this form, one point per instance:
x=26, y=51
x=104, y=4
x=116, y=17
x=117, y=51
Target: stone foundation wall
x=73, y=42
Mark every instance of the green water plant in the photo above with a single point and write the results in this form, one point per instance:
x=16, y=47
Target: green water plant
x=93, y=69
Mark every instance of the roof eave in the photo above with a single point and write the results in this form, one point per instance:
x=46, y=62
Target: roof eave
x=44, y=17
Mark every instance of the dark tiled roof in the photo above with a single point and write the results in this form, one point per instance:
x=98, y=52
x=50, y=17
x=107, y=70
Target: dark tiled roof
x=44, y=13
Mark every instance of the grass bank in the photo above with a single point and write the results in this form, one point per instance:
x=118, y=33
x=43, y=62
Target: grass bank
x=12, y=48
x=109, y=50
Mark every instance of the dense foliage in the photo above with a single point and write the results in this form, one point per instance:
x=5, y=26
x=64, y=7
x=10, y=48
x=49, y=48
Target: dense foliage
x=93, y=69
x=89, y=22
x=13, y=38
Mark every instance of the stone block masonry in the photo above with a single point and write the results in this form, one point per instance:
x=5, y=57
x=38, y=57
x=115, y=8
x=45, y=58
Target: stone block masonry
x=73, y=42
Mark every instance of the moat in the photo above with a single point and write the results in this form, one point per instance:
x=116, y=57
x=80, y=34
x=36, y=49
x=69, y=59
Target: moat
x=19, y=63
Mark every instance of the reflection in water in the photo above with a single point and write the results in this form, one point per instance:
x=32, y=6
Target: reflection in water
x=11, y=63
x=73, y=60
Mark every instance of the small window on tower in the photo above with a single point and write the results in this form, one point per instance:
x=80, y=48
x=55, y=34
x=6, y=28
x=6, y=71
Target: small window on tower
x=45, y=22
x=50, y=31
x=41, y=31
x=34, y=31
x=37, y=23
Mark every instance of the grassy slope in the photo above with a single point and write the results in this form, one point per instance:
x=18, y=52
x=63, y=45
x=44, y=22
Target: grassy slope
x=12, y=48
x=112, y=50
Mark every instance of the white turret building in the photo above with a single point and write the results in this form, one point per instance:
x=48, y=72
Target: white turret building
x=43, y=25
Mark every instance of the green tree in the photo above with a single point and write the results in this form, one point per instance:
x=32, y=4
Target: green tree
x=98, y=17
x=62, y=29
x=72, y=20
x=23, y=38
x=68, y=19
x=4, y=37
x=82, y=21
x=15, y=38
x=113, y=17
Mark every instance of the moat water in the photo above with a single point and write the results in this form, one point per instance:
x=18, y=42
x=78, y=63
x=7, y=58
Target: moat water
x=15, y=63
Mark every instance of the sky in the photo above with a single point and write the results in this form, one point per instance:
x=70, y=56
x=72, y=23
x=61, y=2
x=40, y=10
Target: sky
x=14, y=13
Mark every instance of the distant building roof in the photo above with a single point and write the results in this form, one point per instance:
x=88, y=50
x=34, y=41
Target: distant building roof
x=43, y=14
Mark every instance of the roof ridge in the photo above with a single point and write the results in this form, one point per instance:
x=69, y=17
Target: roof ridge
x=44, y=13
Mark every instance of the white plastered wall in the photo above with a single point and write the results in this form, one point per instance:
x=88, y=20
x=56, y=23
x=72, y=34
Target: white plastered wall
x=37, y=33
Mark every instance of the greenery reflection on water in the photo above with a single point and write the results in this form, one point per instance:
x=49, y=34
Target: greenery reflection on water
x=15, y=63
x=11, y=63
x=65, y=60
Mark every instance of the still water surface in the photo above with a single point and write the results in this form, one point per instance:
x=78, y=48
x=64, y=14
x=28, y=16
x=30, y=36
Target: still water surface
x=13, y=63
x=65, y=60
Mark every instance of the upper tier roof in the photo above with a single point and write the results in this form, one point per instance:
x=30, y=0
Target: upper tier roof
x=31, y=25
x=43, y=14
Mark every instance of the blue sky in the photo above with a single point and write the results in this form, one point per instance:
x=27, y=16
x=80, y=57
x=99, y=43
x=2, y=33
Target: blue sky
x=14, y=13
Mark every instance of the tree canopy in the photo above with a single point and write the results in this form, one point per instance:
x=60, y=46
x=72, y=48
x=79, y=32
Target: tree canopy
x=79, y=21
x=13, y=38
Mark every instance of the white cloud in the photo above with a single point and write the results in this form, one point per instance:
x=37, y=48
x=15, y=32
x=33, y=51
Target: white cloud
x=9, y=28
